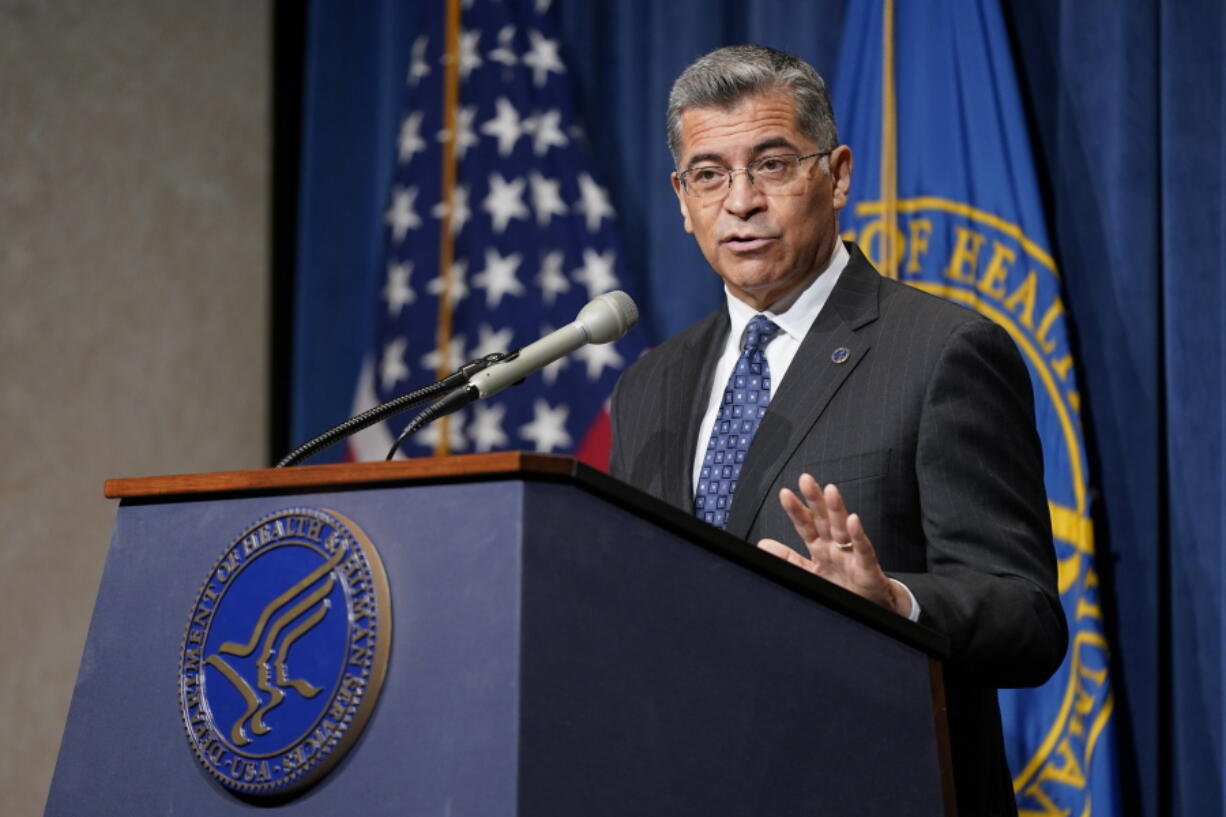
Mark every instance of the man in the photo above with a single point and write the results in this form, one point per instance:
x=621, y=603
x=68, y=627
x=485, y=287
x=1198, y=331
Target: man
x=823, y=388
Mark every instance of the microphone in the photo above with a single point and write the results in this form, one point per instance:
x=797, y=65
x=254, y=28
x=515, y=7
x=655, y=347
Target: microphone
x=604, y=319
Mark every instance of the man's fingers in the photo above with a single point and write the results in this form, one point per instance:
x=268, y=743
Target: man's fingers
x=843, y=554
x=855, y=529
x=837, y=515
x=817, y=504
x=802, y=517
x=784, y=552
x=861, y=545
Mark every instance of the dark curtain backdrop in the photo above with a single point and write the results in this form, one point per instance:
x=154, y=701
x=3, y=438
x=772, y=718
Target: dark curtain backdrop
x=1125, y=106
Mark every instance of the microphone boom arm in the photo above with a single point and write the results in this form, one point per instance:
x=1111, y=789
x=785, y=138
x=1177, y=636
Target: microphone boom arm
x=389, y=409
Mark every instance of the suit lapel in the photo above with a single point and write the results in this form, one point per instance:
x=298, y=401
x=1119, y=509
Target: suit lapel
x=816, y=373
x=689, y=382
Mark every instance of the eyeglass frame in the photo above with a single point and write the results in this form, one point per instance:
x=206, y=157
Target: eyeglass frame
x=732, y=171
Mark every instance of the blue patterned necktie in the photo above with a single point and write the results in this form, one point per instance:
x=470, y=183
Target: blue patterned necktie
x=740, y=412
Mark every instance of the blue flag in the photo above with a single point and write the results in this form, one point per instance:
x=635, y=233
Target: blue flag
x=497, y=232
x=945, y=198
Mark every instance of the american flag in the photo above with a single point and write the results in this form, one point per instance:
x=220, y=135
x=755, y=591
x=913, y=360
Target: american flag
x=532, y=237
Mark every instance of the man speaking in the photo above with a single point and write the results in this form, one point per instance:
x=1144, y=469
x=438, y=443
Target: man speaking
x=862, y=430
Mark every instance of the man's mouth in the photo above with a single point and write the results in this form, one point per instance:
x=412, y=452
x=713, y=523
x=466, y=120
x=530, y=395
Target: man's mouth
x=746, y=243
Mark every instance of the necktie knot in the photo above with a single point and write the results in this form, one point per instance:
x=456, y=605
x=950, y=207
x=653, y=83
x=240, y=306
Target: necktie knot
x=759, y=333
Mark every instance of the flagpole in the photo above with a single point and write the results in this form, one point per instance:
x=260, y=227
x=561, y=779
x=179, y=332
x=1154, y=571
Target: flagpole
x=446, y=253
x=889, y=145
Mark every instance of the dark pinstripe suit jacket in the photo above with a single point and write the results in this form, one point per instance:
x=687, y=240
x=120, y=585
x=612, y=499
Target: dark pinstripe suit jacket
x=928, y=430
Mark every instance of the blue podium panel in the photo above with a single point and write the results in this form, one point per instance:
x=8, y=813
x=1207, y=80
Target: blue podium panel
x=443, y=737
x=661, y=678
x=553, y=653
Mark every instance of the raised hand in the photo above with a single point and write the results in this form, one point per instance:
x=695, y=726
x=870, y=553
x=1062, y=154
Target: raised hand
x=839, y=549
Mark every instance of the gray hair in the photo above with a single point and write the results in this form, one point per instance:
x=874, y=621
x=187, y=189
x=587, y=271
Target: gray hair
x=726, y=76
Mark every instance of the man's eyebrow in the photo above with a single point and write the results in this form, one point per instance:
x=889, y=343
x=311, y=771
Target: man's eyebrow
x=705, y=157
x=716, y=158
x=772, y=143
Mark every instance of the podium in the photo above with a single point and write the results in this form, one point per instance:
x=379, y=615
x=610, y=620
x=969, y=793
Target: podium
x=562, y=644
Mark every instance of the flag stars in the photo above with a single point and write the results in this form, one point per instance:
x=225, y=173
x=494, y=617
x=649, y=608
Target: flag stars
x=490, y=342
x=401, y=216
x=410, y=137
x=397, y=291
x=464, y=124
x=504, y=201
x=460, y=212
x=593, y=202
x=418, y=67
x=597, y=272
x=467, y=137
x=542, y=58
x=545, y=132
x=546, y=198
x=547, y=430
x=551, y=279
x=498, y=278
x=470, y=59
x=505, y=126
x=457, y=289
x=547, y=192
x=392, y=368
x=433, y=361
x=486, y=428
x=504, y=53
x=597, y=356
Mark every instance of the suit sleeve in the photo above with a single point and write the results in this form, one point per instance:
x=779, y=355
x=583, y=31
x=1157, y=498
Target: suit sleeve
x=991, y=580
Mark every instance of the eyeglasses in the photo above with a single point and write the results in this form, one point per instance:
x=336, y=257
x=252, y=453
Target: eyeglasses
x=769, y=174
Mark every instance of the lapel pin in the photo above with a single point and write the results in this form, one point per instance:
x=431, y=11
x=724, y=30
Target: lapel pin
x=840, y=355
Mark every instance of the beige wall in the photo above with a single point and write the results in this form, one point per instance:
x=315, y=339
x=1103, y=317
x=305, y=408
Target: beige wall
x=134, y=167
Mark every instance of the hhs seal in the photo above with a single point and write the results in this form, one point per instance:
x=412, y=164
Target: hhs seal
x=285, y=652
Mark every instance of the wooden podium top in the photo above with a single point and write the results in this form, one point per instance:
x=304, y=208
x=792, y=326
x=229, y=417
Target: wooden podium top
x=323, y=476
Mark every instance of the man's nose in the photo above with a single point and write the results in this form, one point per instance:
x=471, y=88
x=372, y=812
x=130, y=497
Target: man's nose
x=743, y=198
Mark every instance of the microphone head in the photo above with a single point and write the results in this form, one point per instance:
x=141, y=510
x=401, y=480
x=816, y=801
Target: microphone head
x=608, y=317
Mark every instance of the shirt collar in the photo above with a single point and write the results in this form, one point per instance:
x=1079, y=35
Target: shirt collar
x=795, y=313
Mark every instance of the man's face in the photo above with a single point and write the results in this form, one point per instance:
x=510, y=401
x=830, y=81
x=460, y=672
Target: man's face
x=764, y=246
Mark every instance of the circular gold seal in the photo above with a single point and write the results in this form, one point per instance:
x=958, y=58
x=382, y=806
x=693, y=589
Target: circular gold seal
x=285, y=652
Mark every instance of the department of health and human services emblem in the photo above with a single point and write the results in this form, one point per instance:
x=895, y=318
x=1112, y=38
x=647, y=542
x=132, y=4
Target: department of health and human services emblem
x=285, y=652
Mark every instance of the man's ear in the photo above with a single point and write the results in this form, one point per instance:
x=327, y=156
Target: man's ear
x=840, y=176
x=681, y=199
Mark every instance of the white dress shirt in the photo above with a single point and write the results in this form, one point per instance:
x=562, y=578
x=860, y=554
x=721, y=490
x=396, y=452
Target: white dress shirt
x=794, y=315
